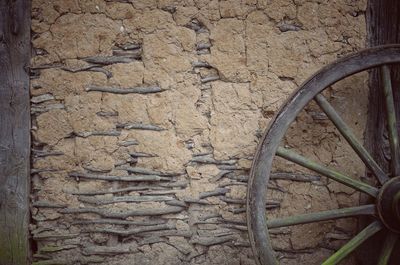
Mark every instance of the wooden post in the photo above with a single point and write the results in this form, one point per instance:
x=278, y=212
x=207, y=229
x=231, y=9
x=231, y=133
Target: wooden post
x=383, y=24
x=383, y=27
x=14, y=131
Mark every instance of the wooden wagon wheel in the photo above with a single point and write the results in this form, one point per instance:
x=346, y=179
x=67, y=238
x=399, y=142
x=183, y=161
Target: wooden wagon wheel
x=385, y=209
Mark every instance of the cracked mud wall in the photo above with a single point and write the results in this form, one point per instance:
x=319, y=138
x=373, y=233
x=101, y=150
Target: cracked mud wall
x=146, y=115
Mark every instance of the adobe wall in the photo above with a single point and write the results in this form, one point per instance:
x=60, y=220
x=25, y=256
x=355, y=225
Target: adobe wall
x=146, y=115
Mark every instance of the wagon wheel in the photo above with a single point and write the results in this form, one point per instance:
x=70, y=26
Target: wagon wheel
x=384, y=211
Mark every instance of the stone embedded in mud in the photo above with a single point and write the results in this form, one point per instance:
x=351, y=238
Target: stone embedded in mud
x=235, y=9
x=233, y=135
x=82, y=113
x=163, y=51
x=228, y=52
x=53, y=126
x=126, y=74
x=61, y=83
x=77, y=36
x=234, y=120
x=116, y=10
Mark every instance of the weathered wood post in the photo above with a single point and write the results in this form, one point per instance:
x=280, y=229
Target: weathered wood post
x=383, y=27
x=383, y=24
x=14, y=131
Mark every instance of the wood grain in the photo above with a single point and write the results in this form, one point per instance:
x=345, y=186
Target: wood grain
x=383, y=27
x=14, y=131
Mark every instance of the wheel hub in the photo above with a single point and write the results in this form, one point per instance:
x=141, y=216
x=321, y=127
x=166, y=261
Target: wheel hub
x=389, y=204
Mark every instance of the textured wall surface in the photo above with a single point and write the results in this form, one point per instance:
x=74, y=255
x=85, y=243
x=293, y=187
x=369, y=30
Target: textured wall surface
x=146, y=115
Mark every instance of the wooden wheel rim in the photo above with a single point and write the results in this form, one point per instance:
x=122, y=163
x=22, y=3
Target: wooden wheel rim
x=260, y=170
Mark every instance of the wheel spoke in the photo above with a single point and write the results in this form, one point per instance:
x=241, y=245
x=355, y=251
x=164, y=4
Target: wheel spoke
x=322, y=216
x=344, y=251
x=387, y=249
x=351, y=138
x=391, y=121
x=339, y=177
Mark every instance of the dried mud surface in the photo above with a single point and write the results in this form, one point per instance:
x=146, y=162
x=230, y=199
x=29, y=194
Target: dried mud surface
x=146, y=115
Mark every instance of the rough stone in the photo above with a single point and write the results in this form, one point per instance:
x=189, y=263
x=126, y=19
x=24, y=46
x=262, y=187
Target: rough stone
x=234, y=117
x=61, y=83
x=228, y=50
x=82, y=113
x=126, y=74
x=77, y=36
x=53, y=126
